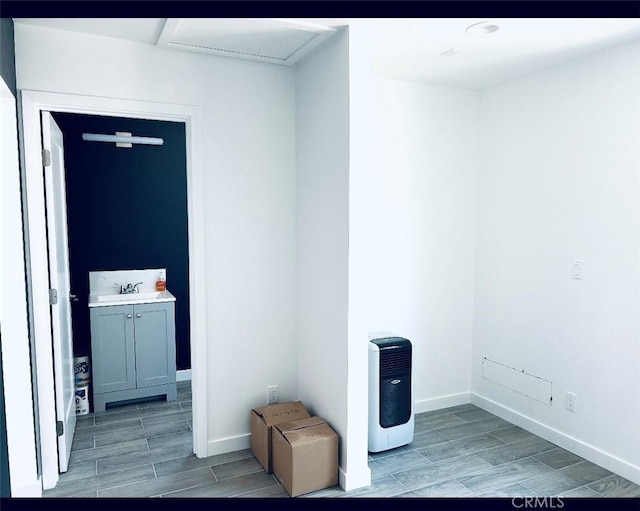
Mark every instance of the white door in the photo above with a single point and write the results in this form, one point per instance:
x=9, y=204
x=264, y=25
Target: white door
x=59, y=282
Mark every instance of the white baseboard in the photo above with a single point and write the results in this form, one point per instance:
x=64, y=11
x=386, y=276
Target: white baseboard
x=183, y=375
x=574, y=445
x=229, y=444
x=436, y=403
x=348, y=483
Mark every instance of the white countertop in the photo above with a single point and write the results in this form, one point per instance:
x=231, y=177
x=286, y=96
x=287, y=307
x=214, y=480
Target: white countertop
x=108, y=299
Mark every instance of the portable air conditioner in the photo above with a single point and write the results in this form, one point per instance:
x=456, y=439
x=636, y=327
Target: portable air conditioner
x=391, y=420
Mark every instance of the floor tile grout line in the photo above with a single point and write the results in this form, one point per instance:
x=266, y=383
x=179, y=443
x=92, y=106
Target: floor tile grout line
x=505, y=486
x=445, y=411
x=503, y=444
x=125, y=483
x=236, y=495
x=595, y=491
x=400, y=483
x=513, y=426
x=532, y=456
x=168, y=494
x=159, y=494
x=458, y=457
x=444, y=435
x=141, y=416
x=464, y=485
x=440, y=481
x=479, y=472
x=107, y=432
x=478, y=452
x=485, y=490
x=461, y=437
x=522, y=440
x=523, y=482
x=469, y=422
x=553, y=468
x=141, y=464
x=218, y=481
x=491, y=433
x=441, y=430
x=594, y=482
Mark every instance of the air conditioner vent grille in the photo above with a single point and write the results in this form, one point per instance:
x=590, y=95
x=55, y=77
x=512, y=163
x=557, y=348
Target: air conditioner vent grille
x=395, y=362
x=223, y=50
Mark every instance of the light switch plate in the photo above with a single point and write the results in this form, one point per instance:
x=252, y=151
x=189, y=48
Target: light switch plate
x=577, y=269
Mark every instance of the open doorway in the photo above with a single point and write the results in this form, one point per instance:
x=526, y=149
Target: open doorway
x=33, y=105
x=126, y=209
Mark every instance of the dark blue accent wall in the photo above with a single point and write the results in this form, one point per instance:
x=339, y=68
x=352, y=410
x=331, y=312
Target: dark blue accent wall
x=7, y=54
x=126, y=209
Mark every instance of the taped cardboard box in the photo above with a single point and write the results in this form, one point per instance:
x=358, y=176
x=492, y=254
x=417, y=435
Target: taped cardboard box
x=263, y=419
x=305, y=455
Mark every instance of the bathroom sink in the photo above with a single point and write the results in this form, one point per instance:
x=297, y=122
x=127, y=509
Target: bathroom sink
x=130, y=296
x=100, y=300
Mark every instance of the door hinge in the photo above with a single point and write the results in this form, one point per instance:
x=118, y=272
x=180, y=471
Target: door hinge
x=46, y=157
x=53, y=296
x=59, y=428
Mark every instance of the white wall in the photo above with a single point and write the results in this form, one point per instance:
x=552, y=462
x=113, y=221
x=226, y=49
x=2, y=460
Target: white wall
x=360, y=160
x=322, y=122
x=16, y=362
x=560, y=181
x=422, y=206
x=249, y=132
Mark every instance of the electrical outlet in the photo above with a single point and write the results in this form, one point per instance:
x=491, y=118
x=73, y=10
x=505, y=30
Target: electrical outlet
x=571, y=402
x=272, y=394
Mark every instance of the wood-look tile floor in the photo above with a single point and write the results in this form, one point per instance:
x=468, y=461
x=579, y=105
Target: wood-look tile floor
x=145, y=450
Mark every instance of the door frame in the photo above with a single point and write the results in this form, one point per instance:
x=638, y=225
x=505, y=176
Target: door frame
x=31, y=104
x=21, y=401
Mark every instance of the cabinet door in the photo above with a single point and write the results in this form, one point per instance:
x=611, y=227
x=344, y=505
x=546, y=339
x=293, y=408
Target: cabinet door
x=112, y=348
x=155, y=345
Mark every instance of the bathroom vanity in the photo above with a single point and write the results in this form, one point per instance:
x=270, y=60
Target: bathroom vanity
x=133, y=347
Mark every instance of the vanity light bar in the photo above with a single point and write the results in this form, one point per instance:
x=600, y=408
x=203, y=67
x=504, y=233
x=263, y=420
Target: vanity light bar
x=122, y=139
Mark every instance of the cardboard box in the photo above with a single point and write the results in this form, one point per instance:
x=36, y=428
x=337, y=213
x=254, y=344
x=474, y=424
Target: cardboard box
x=263, y=419
x=305, y=455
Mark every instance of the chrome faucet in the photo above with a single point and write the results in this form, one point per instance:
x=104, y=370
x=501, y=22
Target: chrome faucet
x=129, y=288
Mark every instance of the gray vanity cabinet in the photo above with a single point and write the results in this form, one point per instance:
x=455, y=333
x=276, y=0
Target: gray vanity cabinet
x=133, y=352
x=112, y=349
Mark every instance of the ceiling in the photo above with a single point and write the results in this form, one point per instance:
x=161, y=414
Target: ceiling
x=408, y=49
